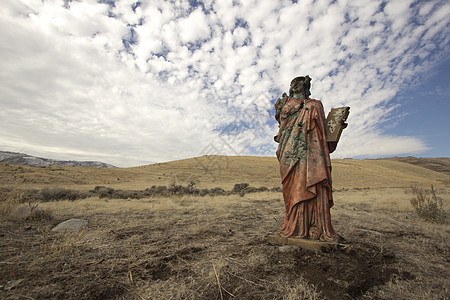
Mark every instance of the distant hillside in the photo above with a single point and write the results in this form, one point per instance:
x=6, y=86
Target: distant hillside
x=438, y=164
x=25, y=159
x=219, y=171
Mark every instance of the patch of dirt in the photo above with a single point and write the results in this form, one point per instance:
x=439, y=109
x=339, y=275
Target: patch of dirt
x=346, y=274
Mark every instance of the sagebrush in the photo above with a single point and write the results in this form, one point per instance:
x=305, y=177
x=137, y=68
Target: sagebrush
x=427, y=204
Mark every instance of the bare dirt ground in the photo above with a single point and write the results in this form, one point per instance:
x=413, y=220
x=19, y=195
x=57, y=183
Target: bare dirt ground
x=192, y=247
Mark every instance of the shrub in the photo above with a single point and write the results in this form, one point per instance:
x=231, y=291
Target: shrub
x=120, y=194
x=56, y=193
x=157, y=190
x=103, y=191
x=276, y=189
x=427, y=205
x=204, y=192
x=262, y=189
x=238, y=187
x=217, y=191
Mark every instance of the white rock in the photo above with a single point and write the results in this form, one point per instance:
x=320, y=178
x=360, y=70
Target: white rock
x=27, y=211
x=283, y=249
x=70, y=225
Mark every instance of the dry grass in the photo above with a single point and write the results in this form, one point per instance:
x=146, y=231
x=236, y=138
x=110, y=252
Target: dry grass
x=191, y=247
x=216, y=171
x=427, y=204
x=10, y=201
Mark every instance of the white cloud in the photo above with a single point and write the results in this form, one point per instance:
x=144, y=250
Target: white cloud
x=226, y=12
x=399, y=13
x=374, y=145
x=240, y=35
x=194, y=27
x=133, y=84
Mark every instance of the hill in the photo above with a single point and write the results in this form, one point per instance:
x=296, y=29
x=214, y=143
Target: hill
x=25, y=159
x=220, y=171
x=441, y=164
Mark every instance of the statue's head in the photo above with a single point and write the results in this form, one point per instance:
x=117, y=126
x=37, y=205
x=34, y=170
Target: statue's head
x=300, y=85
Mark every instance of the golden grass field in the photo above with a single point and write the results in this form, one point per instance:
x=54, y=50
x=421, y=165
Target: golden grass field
x=215, y=247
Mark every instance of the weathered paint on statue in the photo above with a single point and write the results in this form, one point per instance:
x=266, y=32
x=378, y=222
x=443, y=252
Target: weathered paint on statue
x=305, y=165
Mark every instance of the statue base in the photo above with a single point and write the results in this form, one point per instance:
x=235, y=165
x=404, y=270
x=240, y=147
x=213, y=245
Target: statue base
x=309, y=244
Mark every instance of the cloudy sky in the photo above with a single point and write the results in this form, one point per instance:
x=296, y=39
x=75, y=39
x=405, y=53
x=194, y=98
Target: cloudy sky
x=137, y=82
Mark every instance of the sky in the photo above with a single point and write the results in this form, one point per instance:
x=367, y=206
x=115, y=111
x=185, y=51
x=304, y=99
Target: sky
x=138, y=82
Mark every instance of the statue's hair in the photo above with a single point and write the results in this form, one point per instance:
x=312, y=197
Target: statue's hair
x=305, y=81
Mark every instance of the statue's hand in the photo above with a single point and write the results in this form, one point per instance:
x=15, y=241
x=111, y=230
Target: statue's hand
x=332, y=146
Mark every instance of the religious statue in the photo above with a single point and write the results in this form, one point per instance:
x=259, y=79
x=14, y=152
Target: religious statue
x=305, y=165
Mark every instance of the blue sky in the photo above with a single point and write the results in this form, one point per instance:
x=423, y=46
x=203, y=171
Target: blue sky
x=132, y=83
x=425, y=108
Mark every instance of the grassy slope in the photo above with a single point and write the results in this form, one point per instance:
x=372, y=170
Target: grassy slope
x=441, y=164
x=221, y=171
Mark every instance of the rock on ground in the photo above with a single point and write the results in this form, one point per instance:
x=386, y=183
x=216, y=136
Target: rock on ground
x=28, y=211
x=70, y=225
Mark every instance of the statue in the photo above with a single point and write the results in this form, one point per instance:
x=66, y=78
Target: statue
x=305, y=165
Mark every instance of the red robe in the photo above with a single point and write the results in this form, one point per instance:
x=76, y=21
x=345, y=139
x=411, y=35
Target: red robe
x=305, y=169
